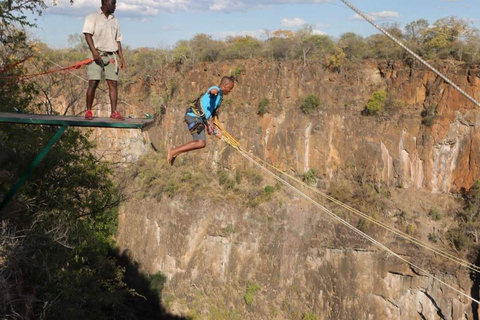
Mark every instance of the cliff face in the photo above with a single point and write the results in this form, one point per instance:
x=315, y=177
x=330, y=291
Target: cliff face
x=299, y=261
x=337, y=141
x=214, y=253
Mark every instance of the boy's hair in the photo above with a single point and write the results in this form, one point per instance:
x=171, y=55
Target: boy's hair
x=226, y=80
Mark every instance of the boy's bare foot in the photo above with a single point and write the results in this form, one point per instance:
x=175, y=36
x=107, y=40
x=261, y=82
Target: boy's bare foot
x=170, y=157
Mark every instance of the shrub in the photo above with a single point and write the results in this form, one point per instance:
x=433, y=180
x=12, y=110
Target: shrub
x=458, y=239
x=263, y=107
x=309, y=316
x=225, y=180
x=237, y=72
x=310, y=105
x=310, y=177
x=157, y=281
x=435, y=214
x=433, y=237
x=429, y=115
x=335, y=60
x=269, y=190
x=250, y=293
x=376, y=103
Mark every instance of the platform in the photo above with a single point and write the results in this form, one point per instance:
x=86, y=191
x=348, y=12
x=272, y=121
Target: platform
x=72, y=121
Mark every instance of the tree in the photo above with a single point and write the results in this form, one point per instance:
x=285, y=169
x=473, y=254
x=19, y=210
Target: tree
x=242, y=47
x=204, y=48
x=353, y=45
x=445, y=38
x=380, y=46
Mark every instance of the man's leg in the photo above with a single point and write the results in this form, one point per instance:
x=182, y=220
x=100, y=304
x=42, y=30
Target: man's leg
x=112, y=91
x=172, y=153
x=92, y=86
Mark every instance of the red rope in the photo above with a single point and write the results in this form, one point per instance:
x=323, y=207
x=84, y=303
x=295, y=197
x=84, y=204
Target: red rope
x=13, y=65
x=77, y=65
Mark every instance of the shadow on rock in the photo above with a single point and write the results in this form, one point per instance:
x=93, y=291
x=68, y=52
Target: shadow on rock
x=475, y=290
x=148, y=305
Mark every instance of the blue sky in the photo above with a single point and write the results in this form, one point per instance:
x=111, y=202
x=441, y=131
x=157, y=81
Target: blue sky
x=161, y=23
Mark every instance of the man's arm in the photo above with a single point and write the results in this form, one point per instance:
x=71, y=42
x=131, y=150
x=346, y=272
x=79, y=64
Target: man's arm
x=91, y=45
x=120, y=55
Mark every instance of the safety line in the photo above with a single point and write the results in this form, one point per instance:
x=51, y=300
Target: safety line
x=377, y=222
x=438, y=73
x=234, y=143
x=351, y=227
x=227, y=138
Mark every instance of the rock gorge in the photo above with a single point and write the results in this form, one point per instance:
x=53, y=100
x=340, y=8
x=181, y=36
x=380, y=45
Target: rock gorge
x=302, y=262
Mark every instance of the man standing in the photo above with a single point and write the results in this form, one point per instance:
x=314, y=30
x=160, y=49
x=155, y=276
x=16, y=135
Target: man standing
x=102, y=33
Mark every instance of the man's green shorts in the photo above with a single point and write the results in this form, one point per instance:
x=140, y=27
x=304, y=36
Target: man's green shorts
x=110, y=69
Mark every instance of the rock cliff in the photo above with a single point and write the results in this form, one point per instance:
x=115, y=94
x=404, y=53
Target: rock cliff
x=293, y=260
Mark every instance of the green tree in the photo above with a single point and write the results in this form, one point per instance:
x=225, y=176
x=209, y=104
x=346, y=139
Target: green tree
x=242, y=47
x=310, y=105
x=415, y=31
x=353, y=45
x=376, y=103
x=380, y=46
x=204, y=48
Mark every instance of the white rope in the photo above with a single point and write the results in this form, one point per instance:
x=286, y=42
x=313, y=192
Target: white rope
x=412, y=53
x=348, y=225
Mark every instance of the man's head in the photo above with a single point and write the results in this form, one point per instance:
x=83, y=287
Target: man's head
x=108, y=6
x=226, y=84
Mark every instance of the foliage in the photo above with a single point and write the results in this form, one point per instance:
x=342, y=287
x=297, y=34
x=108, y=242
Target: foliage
x=310, y=105
x=251, y=291
x=309, y=316
x=433, y=237
x=310, y=177
x=336, y=59
x=376, y=103
x=353, y=45
x=237, y=72
x=225, y=180
x=263, y=107
x=429, y=114
x=458, y=239
x=242, y=47
x=435, y=214
x=157, y=281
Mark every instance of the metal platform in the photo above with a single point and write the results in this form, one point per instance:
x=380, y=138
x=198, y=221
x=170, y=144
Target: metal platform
x=63, y=122
x=43, y=119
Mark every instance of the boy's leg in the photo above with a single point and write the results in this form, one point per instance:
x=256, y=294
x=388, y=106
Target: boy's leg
x=199, y=141
x=172, y=153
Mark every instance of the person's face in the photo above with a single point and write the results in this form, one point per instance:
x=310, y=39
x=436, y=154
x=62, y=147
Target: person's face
x=111, y=6
x=227, y=87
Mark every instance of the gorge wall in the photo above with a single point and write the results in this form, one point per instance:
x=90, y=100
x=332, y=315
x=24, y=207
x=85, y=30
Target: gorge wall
x=303, y=263
x=397, y=150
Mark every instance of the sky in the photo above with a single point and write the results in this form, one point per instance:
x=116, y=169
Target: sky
x=161, y=23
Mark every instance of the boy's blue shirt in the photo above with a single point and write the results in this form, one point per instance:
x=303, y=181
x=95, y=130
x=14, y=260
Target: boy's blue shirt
x=210, y=102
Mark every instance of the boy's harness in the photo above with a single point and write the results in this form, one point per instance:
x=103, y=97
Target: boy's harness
x=200, y=122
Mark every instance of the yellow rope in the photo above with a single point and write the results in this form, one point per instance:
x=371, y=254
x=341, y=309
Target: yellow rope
x=227, y=138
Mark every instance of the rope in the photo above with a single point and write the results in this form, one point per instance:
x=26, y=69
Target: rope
x=234, y=143
x=13, y=65
x=438, y=73
x=86, y=81
x=227, y=138
x=77, y=65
